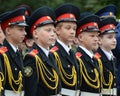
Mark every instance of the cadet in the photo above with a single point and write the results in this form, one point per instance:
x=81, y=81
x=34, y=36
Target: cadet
x=28, y=41
x=111, y=11
x=13, y=26
x=107, y=42
x=87, y=33
x=66, y=26
x=41, y=74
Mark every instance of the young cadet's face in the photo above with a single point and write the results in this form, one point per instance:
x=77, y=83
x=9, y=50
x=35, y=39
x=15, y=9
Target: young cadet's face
x=89, y=40
x=108, y=41
x=45, y=35
x=15, y=34
x=66, y=33
x=2, y=36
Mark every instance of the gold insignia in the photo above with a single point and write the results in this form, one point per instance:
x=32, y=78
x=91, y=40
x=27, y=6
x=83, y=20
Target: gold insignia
x=71, y=16
x=34, y=27
x=23, y=17
x=111, y=26
x=111, y=14
x=28, y=71
x=95, y=24
x=9, y=23
x=48, y=17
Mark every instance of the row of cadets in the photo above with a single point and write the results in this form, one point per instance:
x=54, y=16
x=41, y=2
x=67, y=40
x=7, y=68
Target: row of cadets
x=13, y=25
x=106, y=60
x=41, y=73
x=87, y=33
x=66, y=25
x=107, y=44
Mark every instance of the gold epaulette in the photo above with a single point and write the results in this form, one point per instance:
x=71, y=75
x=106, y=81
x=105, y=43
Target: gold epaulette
x=53, y=49
x=33, y=52
x=3, y=49
x=97, y=55
x=78, y=55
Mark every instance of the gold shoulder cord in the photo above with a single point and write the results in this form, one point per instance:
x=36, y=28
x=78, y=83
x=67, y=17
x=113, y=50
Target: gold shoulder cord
x=72, y=76
x=87, y=78
x=1, y=80
x=103, y=82
x=10, y=75
x=45, y=73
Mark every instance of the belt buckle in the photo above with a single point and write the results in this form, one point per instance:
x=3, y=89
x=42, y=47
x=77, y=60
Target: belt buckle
x=114, y=91
x=77, y=93
x=21, y=93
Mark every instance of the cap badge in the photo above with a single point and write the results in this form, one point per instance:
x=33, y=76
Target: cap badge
x=48, y=17
x=23, y=17
x=71, y=16
x=28, y=71
x=111, y=14
x=111, y=26
x=95, y=24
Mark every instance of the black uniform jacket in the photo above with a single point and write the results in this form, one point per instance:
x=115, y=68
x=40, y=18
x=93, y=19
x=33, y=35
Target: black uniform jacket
x=1, y=70
x=68, y=61
x=89, y=65
x=108, y=66
x=35, y=86
x=16, y=64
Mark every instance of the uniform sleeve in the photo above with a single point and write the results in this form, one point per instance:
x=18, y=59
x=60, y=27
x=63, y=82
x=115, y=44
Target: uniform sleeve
x=30, y=73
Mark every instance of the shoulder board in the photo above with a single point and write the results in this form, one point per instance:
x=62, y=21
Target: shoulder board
x=53, y=49
x=33, y=52
x=97, y=55
x=3, y=49
x=78, y=55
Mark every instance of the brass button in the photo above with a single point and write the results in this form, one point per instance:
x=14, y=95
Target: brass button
x=68, y=66
x=15, y=69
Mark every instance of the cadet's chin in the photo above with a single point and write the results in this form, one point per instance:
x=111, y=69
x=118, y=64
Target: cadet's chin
x=95, y=48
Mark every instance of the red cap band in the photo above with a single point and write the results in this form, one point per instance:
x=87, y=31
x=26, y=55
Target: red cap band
x=65, y=16
x=12, y=20
x=107, y=27
x=39, y=21
x=80, y=29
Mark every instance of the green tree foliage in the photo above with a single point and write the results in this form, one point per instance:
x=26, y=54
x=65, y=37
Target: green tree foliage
x=84, y=5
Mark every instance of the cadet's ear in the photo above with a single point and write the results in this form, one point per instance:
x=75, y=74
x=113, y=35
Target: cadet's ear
x=99, y=40
x=35, y=33
x=57, y=30
x=80, y=37
x=8, y=31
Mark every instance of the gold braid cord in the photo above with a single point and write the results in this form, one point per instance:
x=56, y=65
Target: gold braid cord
x=72, y=76
x=103, y=82
x=45, y=73
x=1, y=80
x=86, y=76
x=10, y=75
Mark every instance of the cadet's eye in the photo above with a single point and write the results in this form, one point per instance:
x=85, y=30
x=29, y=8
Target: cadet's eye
x=68, y=27
x=21, y=29
x=48, y=30
x=110, y=37
x=74, y=28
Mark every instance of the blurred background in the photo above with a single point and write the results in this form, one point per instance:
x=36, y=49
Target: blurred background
x=84, y=5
